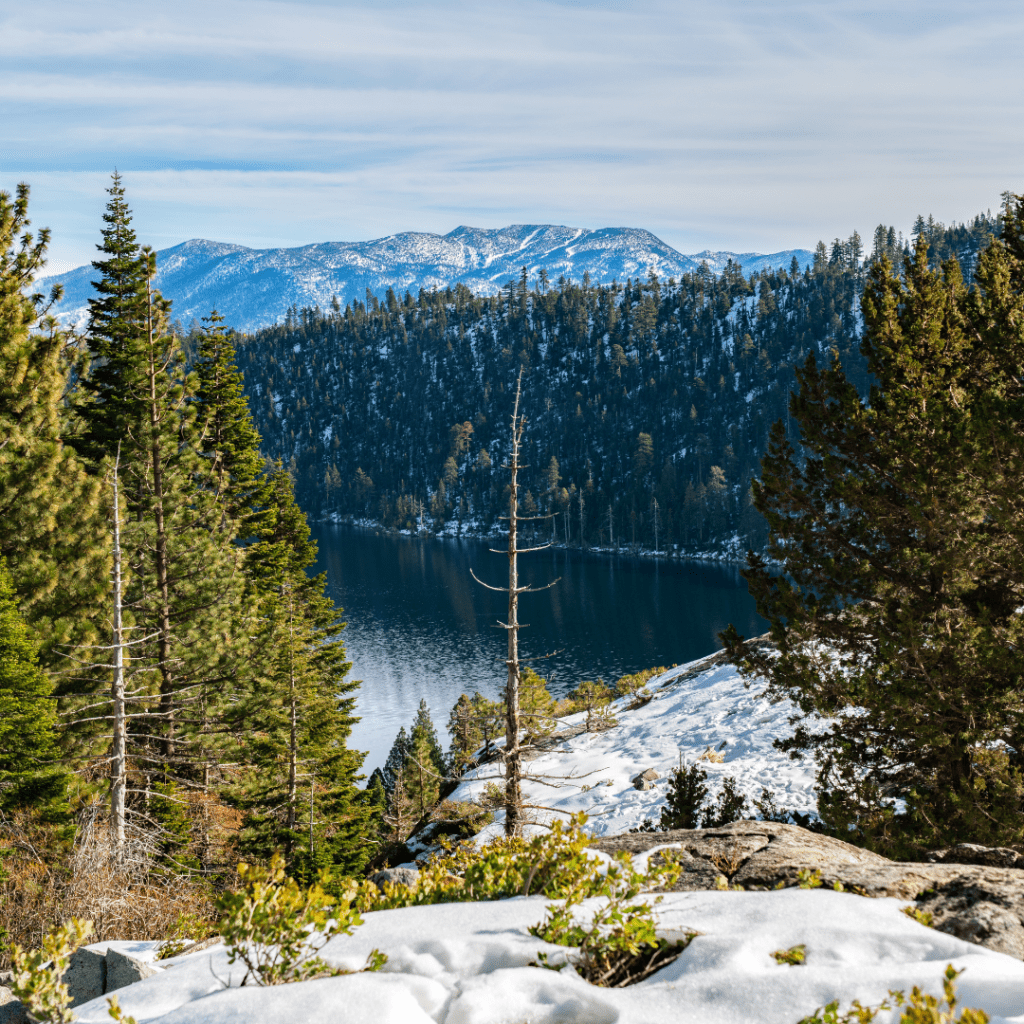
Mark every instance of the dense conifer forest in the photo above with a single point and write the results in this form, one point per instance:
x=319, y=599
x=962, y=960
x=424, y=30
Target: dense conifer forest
x=649, y=403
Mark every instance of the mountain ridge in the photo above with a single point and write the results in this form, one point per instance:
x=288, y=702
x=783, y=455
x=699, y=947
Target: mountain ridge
x=252, y=288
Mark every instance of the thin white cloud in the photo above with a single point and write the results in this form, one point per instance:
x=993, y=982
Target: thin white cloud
x=742, y=124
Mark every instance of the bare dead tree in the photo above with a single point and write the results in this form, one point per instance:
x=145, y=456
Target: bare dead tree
x=118, y=745
x=512, y=754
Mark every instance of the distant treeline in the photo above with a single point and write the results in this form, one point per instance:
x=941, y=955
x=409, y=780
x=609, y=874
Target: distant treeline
x=651, y=400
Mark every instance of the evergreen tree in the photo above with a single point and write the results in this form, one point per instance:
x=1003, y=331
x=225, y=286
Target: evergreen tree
x=51, y=527
x=301, y=794
x=184, y=588
x=395, y=761
x=424, y=762
x=467, y=736
x=899, y=528
x=687, y=789
x=226, y=435
x=118, y=319
x=30, y=775
x=536, y=705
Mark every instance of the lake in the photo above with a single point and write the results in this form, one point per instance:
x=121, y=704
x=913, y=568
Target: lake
x=419, y=626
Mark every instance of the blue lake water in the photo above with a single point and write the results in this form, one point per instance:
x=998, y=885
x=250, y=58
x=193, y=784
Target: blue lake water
x=419, y=626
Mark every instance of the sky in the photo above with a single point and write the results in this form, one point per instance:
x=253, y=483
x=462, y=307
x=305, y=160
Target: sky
x=746, y=125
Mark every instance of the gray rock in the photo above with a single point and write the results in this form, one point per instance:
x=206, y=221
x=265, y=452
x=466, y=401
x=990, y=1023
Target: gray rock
x=6, y=977
x=397, y=876
x=976, y=902
x=124, y=970
x=971, y=853
x=86, y=976
x=645, y=780
x=981, y=922
x=11, y=1010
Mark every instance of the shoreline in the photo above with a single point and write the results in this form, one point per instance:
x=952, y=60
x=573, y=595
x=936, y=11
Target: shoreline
x=714, y=557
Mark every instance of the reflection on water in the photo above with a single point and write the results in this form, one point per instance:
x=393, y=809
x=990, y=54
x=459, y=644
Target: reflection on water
x=419, y=626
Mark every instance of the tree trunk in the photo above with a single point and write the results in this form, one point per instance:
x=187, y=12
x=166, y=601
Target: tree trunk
x=513, y=757
x=162, y=571
x=118, y=761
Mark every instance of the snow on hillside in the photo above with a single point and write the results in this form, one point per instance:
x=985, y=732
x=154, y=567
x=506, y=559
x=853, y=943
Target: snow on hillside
x=697, y=706
x=255, y=287
x=469, y=963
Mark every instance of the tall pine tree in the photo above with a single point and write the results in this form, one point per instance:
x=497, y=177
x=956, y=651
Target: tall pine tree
x=301, y=794
x=184, y=588
x=31, y=776
x=51, y=526
x=899, y=527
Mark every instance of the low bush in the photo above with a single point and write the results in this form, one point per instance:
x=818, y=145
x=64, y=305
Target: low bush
x=920, y=1008
x=619, y=944
x=38, y=979
x=276, y=929
x=47, y=880
x=794, y=956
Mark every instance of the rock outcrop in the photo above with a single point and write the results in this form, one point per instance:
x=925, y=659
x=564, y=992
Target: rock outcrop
x=90, y=974
x=980, y=900
x=124, y=970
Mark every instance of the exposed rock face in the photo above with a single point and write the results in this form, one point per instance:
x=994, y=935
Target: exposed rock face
x=981, y=901
x=11, y=1010
x=969, y=853
x=646, y=780
x=397, y=876
x=124, y=970
x=86, y=976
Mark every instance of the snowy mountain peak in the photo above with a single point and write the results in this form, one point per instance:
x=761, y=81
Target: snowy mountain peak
x=255, y=287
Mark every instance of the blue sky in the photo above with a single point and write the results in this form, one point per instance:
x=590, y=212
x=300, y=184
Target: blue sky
x=739, y=124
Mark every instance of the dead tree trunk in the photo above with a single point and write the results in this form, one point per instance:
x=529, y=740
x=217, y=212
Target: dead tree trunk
x=512, y=754
x=118, y=760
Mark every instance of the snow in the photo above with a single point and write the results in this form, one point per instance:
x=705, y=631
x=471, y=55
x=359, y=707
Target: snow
x=469, y=964
x=692, y=710
x=199, y=274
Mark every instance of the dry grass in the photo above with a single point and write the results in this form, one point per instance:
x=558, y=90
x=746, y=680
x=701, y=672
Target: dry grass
x=133, y=898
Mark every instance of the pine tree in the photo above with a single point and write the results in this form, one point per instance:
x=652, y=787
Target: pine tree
x=395, y=761
x=51, y=527
x=30, y=773
x=467, y=736
x=118, y=320
x=226, y=435
x=900, y=530
x=301, y=793
x=687, y=789
x=184, y=587
x=424, y=762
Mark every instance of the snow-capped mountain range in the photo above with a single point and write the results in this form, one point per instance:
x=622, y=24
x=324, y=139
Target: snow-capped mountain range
x=255, y=287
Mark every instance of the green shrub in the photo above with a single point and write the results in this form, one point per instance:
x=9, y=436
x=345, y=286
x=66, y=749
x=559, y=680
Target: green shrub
x=917, y=914
x=635, y=684
x=687, y=788
x=553, y=864
x=794, y=956
x=731, y=806
x=619, y=946
x=920, y=1008
x=275, y=928
x=38, y=976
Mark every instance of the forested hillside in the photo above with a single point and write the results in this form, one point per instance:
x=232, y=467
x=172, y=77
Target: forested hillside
x=649, y=402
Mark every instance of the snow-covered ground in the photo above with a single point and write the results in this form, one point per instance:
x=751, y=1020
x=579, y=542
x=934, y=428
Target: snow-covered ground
x=469, y=964
x=692, y=710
